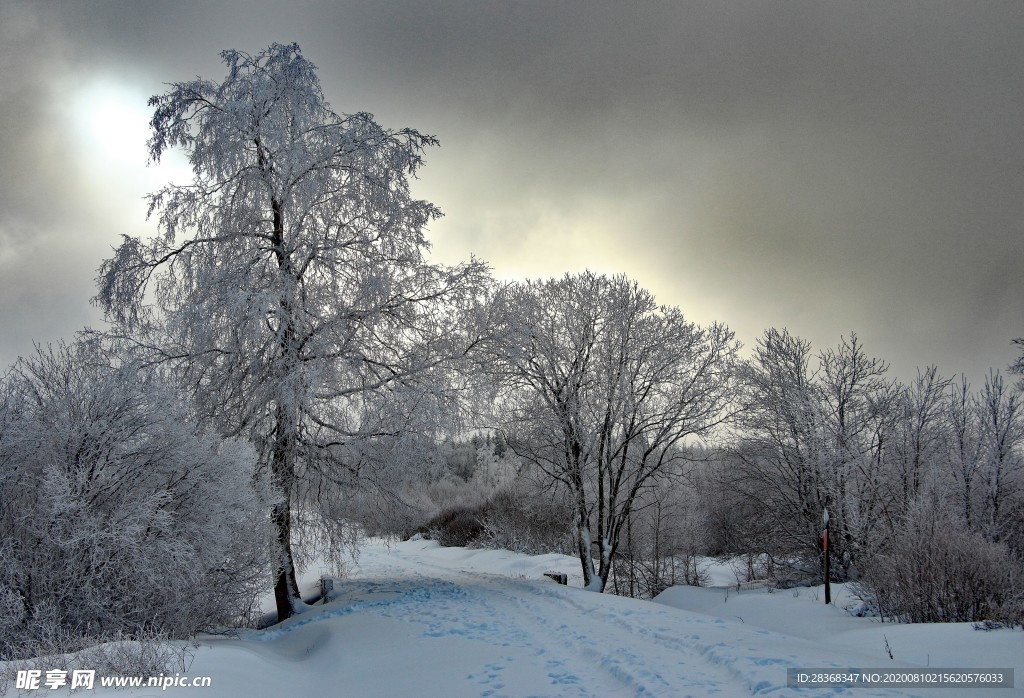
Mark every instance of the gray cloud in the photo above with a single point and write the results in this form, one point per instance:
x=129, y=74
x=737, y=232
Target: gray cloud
x=824, y=166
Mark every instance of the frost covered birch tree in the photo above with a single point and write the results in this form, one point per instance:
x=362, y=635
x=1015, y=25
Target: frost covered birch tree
x=817, y=438
x=966, y=446
x=603, y=387
x=287, y=282
x=778, y=461
x=1001, y=410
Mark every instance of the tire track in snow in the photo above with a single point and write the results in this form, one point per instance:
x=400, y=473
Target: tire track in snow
x=596, y=636
x=741, y=660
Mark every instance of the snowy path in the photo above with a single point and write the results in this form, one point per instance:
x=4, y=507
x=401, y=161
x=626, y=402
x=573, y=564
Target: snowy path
x=414, y=619
x=572, y=645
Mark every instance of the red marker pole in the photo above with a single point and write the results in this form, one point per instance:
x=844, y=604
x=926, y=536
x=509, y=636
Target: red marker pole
x=824, y=547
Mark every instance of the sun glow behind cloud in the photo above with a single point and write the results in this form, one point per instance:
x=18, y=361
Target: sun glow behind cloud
x=115, y=122
x=111, y=130
x=85, y=186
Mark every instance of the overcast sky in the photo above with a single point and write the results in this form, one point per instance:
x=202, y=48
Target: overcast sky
x=822, y=166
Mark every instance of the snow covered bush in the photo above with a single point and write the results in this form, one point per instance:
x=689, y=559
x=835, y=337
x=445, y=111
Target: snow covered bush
x=501, y=511
x=936, y=570
x=457, y=527
x=119, y=517
x=522, y=518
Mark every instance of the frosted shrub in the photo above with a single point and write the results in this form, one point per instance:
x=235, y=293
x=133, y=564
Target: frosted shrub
x=450, y=493
x=515, y=520
x=119, y=517
x=936, y=570
x=517, y=516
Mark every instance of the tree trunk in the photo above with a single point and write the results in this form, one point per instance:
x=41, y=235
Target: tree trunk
x=583, y=544
x=286, y=587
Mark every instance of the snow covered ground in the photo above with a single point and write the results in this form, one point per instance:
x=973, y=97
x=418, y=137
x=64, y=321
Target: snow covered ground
x=802, y=613
x=415, y=619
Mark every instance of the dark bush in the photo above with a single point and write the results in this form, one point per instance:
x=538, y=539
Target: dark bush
x=456, y=526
